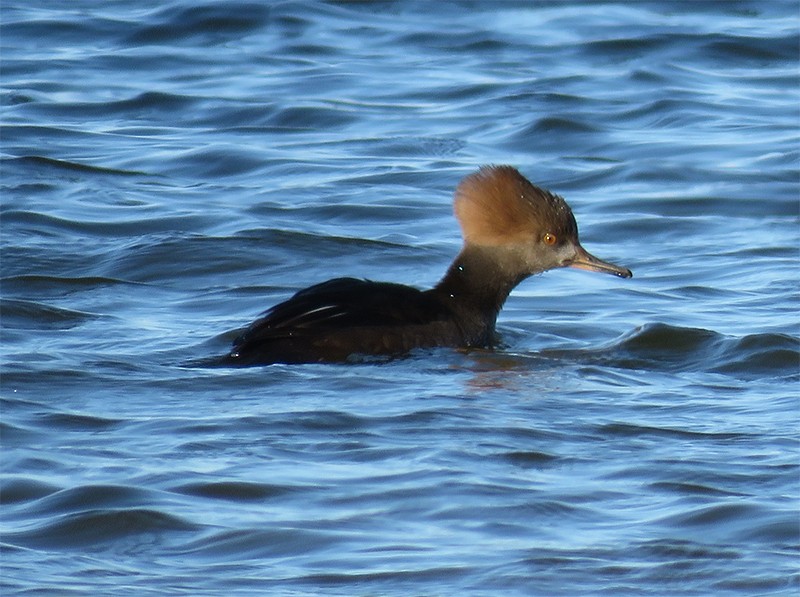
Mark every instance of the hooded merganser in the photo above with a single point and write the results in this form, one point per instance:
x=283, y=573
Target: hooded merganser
x=512, y=229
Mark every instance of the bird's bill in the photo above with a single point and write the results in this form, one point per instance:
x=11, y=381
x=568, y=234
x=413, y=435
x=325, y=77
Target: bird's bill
x=585, y=260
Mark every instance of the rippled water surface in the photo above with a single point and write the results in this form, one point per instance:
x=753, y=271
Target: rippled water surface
x=170, y=170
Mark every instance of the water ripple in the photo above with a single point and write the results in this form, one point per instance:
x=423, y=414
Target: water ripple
x=94, y=528
x=661, y=346
x=169, y=170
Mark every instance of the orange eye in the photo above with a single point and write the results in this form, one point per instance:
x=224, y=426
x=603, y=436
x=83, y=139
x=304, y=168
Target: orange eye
x=549, y=239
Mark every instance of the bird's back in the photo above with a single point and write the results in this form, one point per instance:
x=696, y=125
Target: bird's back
x=332, y=321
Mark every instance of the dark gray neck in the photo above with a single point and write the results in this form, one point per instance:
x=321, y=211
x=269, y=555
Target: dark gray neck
x=477, y=285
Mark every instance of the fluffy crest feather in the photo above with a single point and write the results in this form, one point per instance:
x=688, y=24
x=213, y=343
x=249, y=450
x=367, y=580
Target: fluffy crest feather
x=498, y=206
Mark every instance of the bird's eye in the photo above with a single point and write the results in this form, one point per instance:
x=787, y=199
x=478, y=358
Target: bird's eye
x=549, y=238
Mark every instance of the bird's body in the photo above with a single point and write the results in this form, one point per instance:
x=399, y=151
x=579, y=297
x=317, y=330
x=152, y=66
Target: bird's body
x=512, y=230
x=380, y=318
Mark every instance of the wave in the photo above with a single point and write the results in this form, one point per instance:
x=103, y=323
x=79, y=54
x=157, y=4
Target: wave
x=663, y=347
x=39, y=161
x=22, y=314
x=96, y=527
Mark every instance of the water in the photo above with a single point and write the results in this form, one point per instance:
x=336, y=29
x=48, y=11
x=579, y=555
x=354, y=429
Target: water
x=172, y=169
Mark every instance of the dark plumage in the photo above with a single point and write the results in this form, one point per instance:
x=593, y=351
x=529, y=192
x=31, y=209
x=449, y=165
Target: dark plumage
x=512, y=229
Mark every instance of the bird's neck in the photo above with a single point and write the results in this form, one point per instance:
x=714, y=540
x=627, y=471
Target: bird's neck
x=478, y=283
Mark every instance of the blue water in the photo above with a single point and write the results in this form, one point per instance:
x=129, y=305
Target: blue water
x=170, y=170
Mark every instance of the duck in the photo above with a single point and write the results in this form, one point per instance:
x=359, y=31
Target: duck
x=511, y=229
